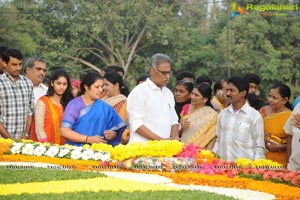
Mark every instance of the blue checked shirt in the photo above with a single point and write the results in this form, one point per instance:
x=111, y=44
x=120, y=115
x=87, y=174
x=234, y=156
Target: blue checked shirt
x=16, y=103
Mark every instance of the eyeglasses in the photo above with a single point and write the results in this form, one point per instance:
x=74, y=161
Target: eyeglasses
x=164, y=73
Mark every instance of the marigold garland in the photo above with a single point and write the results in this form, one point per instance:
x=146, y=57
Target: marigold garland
x=281, y=191
x=163, y=148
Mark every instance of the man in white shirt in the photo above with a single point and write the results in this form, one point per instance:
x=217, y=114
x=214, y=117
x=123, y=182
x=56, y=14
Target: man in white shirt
x=35, y=70
x=150, y=105
x=240, y=130
x=292, y=128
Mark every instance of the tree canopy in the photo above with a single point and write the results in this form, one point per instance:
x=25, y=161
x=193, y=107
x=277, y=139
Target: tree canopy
x=197, y=34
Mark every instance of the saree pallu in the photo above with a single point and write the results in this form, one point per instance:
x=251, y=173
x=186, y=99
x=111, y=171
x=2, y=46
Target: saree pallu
x=119, y=104
x=274, y=124
x=53, y=117
x=202, y=129
x=95, y=119
x=120, y=108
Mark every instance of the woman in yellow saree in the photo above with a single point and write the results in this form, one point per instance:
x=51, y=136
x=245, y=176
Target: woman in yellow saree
x=199, y=119
x=275, y=116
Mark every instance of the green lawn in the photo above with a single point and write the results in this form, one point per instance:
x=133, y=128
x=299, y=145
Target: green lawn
x=43, y=175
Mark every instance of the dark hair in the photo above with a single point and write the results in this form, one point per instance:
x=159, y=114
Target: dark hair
x=46, y=80
x=142, y=77
x=206, y=91
x=203, y=79
x=114, y=68
x=15, y=53
x=187, y=84
x=218, y=85
x=67, y=95
x=88, y=80
x=284, y=91
x=253, y=100
x=183, y=74
x=252, y=78
x=2, y=49
x=114, y=77
x=241, y=84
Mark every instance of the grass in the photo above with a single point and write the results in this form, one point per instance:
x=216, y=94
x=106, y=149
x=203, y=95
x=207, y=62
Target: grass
x=44, y=175
x=166, y=195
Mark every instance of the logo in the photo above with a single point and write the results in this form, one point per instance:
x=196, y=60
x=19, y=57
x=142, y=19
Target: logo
x=236, y=10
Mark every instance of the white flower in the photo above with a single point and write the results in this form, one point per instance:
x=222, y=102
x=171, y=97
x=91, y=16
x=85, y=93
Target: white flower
x=105, y=156
x=16, y=148
x=78, y=148
x=52, y=151
x=87, y=154
x=39, y=150
x=63, y=152
x=28, y=149
x=76, y=154
x=97, y=155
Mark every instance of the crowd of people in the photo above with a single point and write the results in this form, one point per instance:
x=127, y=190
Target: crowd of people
x=227, y=117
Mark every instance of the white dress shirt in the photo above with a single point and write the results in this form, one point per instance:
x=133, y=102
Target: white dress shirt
x=39, y=91
x=240, y=134
x=152, y=107
x=294, y=161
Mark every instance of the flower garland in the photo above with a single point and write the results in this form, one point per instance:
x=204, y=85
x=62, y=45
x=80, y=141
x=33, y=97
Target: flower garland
x=98, y=152
x=153, y=155
x=162, y=148
x=28, y=147
x=281, y=191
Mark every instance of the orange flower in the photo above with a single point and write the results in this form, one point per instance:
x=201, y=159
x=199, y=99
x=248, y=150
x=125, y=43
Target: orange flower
x=281, y=191
x=4, y=148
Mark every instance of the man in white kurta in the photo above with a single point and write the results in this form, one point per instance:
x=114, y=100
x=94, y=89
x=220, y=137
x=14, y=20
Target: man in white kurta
x=292, y=128
x=150, y=105
x=240, y=130
x=35, y=70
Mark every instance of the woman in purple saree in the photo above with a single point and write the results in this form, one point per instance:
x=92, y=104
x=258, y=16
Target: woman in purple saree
x=87, y=119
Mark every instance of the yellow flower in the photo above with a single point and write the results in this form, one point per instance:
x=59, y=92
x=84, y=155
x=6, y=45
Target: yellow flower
x=7, y=141
x=26, y=141
x=86, y=146
x=247, y=163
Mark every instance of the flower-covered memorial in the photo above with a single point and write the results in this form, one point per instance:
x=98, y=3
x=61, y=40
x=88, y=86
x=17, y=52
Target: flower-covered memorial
x=187, y=167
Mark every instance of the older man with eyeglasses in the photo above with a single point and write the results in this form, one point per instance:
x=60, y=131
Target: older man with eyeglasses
x=150, y=105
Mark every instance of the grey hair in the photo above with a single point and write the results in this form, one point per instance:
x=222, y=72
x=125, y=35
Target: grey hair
x=157, y=58
x=30, y=62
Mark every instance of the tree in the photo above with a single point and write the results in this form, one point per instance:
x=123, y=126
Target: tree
x=17, y=30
